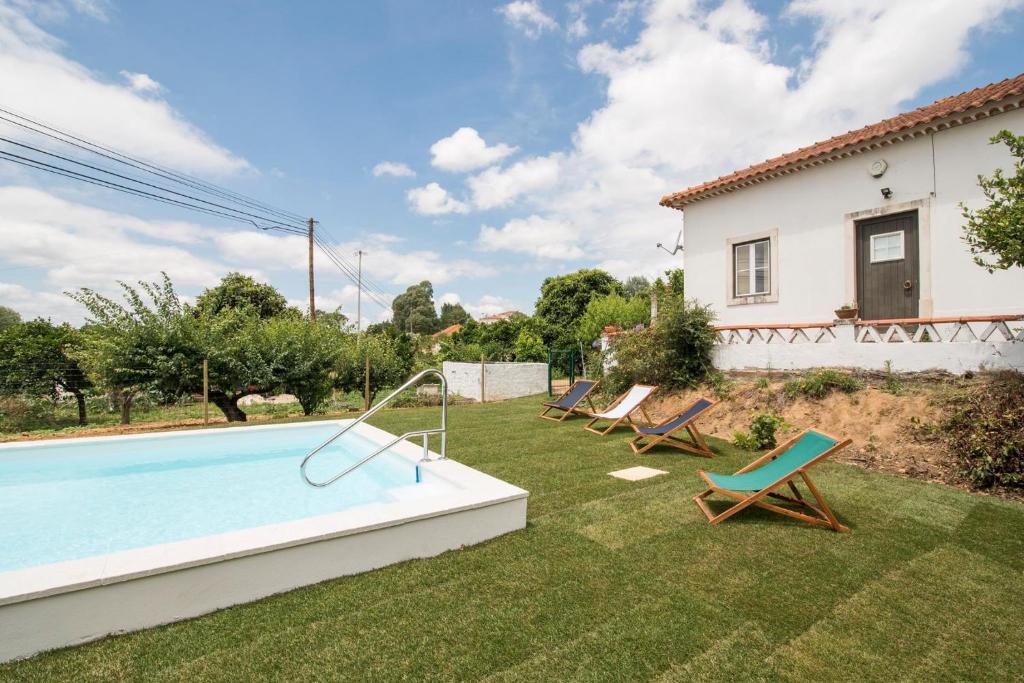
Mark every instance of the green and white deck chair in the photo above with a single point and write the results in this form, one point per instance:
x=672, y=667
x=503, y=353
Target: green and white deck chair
x=621, y=409
x=777, y=468
x=568, y=402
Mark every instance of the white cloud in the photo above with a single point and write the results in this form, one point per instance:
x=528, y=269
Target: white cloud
x=619, y=19
x=528, y=17
x=39, y=81
x=434, y=200
x=490, y=304
x=382, y=262
x=97, y=9
x=448, y=298
x=141, y=83
x=497, y=187
x=577, y=27
x=31, y=304
x=540, y=237
x=80, y=246
x=393, y=168
x=465, y=150
x=699, y=94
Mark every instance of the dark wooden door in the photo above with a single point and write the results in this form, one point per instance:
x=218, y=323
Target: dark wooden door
x=888, y=283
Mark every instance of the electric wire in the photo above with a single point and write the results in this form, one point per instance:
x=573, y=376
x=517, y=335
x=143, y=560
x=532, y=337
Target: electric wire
x=149, y=167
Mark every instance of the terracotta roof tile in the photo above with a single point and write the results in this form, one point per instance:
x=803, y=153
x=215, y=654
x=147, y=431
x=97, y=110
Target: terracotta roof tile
x=840, y=144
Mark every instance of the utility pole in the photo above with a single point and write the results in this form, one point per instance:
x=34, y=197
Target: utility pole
x=359, y=294
x=312, y=297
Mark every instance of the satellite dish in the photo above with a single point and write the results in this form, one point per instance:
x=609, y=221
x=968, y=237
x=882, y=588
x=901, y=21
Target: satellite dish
x=676, y=249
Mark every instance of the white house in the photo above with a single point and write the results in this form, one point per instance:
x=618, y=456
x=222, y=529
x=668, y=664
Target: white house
x=869, y=218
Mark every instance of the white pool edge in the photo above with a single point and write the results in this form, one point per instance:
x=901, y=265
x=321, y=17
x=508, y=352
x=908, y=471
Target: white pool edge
x=72, y=602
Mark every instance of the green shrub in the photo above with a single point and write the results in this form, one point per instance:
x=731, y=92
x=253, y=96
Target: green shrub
x=892, y=383
x=762, y=433
x=984, y=428
x=676, y=352
x=821, y=383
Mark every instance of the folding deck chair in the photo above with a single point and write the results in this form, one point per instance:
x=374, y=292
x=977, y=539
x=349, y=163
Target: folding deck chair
x=758, y=480
x=621, y=409
x=663, y=433
x=568, y=402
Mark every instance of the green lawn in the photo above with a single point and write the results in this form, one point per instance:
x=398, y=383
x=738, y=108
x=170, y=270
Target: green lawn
x=621, y=581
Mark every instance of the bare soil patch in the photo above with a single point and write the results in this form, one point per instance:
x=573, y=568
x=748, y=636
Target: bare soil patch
x=886, y=428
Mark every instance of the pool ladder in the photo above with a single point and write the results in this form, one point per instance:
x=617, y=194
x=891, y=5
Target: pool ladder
x=425, y=433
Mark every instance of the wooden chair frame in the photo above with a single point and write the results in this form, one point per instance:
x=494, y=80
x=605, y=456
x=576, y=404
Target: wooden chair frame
x=819, y=515
x=572, y=410
x=627, y=418
x=697, y=445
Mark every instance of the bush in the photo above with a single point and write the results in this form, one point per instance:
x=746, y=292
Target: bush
x=984, y=428
x=762, y=433
x=821, y=383
x=676, y=352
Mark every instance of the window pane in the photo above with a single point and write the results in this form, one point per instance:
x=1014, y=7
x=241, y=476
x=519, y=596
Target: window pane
x=742, y=282
x=761, y=281
x=887, y=247
x=761, y=254
x=742, y=257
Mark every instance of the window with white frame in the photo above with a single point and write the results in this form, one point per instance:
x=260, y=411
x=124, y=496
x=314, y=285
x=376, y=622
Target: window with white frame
x=752, y=268
x=887, y=246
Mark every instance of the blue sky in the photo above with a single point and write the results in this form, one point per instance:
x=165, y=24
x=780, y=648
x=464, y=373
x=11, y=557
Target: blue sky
x=520, y=139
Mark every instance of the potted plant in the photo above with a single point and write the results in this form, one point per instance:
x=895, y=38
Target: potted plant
x=847, y=312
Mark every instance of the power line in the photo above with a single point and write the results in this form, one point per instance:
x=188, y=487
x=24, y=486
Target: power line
x=168, y=174
x=75, y=175
x=278, y=219
x=139, y=182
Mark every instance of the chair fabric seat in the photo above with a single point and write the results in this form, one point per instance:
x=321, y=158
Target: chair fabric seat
x=657, y=430
x=575, y=394
x=633, y=398
x=810, y=446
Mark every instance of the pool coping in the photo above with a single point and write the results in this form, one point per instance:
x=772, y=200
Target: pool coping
x=476, y=490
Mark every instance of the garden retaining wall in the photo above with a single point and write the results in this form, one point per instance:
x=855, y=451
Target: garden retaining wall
x=500, y=380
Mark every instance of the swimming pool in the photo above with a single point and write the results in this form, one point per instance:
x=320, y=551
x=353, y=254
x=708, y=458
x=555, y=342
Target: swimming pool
x=68, y=500
x=86, y=519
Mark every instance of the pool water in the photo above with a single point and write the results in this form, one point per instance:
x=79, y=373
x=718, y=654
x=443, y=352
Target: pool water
x=65, y=501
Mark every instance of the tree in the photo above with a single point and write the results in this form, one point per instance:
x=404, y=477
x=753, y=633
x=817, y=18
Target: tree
x=563, y=301
x=612, y=310
x=636, y=285
x=453, y=314
x=499, y=338
x=390, y=365
x=995, y=233
x=237, y=291
x=34, y=360
x=240, y=357
x=305, y=358
x=334, y=318
x=529, y=347
x=8, y=317
x=413, y=310
x=677, y=352
x=134, y=347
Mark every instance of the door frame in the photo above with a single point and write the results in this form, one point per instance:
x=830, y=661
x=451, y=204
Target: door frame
x=925, y=305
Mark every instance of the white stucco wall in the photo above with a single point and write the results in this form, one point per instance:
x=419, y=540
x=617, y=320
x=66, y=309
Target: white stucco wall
x=816, y=254
x=501, y=380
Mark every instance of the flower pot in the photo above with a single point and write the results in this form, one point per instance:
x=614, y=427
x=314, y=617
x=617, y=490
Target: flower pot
x=846, y=313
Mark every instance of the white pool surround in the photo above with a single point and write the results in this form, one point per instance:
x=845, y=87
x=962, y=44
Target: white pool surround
x=75, y=601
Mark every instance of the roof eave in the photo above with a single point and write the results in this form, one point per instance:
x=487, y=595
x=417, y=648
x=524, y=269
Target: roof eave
x=678, y=200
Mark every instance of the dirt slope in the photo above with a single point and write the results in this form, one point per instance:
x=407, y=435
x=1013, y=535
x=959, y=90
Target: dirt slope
x=881, y=424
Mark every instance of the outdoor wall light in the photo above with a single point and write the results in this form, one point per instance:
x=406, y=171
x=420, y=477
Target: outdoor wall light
x=886, y=193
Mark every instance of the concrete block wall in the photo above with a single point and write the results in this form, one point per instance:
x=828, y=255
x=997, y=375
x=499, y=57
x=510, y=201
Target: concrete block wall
x=501, y=380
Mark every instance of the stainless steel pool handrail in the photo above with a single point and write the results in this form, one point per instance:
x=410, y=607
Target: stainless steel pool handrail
x=425, y=433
